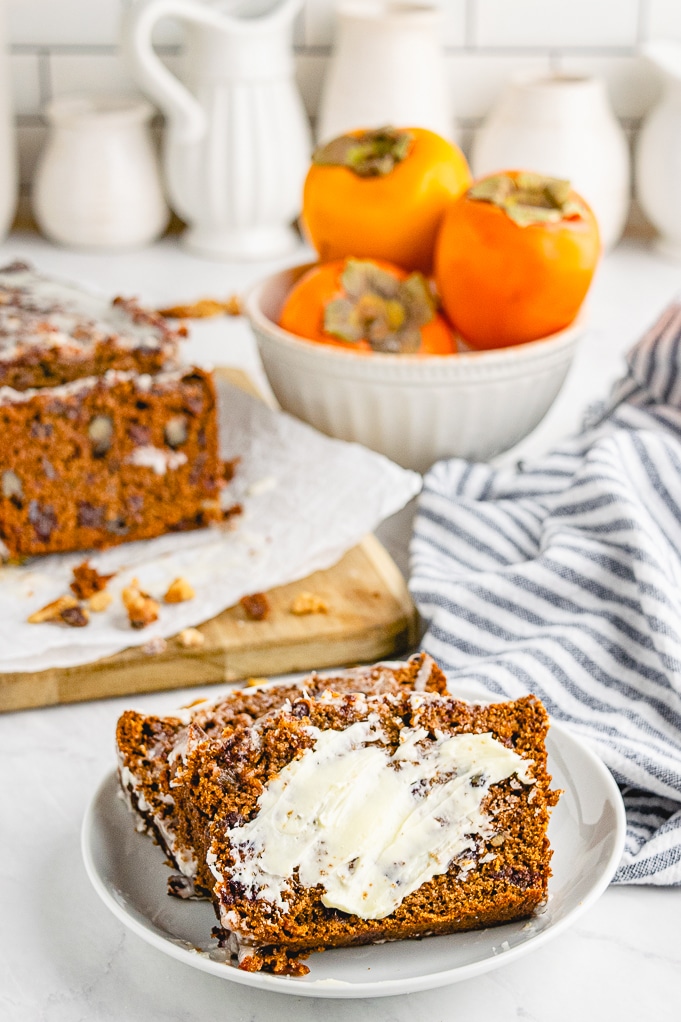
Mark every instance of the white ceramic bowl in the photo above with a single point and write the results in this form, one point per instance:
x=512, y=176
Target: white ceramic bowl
x=414, y=409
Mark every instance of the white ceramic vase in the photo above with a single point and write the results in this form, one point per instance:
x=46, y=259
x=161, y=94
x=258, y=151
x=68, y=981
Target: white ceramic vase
x=658, y=151
x=387, y=68
x=561, y=126
x=8, y=158
x=97, y=184
x=237, y=143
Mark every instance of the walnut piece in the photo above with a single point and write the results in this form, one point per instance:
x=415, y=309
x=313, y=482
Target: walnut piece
x=179, y=591
x=87, y=581
x=308, y=603
x=204, y=308
x=142, y=609
x=100, y=601
x=11, y=485
x=175, y=431
x=257, y=606
x=191, y=638
x=53, y=611
x=100, y=432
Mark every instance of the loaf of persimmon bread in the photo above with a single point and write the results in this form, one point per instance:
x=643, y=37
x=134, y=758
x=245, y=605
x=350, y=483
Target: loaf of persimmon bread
x=52, y=332
x=106, y=438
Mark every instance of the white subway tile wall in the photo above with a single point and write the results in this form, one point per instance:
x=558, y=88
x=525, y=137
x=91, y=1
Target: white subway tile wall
x=61, y=46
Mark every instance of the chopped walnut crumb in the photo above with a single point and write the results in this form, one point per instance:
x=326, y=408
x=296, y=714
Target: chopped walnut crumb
x=154, y=646
x=179, y=591
x=204, y=308
x=309, y=603
x=53, y=611
x=141, y=608
x=233, y=511
x=191, y=637
x=100, y=601
x=87, y=581
x=229, y=468
x=257, y=606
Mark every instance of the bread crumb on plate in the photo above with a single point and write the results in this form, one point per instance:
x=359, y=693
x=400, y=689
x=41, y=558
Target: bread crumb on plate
x=309, y=603
x=191, y=638
x=179, y=591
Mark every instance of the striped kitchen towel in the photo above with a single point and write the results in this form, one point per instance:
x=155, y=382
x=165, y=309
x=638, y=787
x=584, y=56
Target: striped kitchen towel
x=563, y=578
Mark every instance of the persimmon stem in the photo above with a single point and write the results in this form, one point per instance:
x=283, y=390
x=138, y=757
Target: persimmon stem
x=529, y=198
x=367, y=154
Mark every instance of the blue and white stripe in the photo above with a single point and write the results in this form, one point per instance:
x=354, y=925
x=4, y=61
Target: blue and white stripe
x=563, y=578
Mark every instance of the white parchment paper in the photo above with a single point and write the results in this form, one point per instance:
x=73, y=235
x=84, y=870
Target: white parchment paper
x=307, y=499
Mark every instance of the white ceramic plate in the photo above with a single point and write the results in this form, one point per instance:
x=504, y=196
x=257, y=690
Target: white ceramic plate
x=587, y=834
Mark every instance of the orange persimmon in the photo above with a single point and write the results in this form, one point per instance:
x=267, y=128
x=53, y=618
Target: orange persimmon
x=381, y=194
x=367, y=305
x=514, y=259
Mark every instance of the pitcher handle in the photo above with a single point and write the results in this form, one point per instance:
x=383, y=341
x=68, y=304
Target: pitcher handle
x=176, y=101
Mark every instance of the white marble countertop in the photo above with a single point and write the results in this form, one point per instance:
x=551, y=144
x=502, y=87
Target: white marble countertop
x=64, y=958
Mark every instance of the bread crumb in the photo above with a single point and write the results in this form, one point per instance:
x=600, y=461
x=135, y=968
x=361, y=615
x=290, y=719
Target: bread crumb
x=309, y=603
x=154, y=646
x=87, y=581
x=229, y=468
x=191, y=637
x=204, y=308
x=100, y=601
x=179, y=591
x=53, y=611
x=257, y=606
x=142, y=609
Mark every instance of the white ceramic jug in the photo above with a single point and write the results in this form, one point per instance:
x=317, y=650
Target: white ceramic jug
x=237, y=145
x=561, y=125
x=8, y=159
x=658, y=151
x=387, y=68
x=97, y=184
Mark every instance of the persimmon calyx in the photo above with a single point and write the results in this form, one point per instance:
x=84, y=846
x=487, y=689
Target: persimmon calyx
x=369, y=154
x=529, y=198
x=379, y=308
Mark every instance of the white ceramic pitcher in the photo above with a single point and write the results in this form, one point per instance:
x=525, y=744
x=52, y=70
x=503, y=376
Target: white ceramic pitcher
x=658, y=150
x=388, y=67
x=237, y=144
x=8, y=161
x=97, y=183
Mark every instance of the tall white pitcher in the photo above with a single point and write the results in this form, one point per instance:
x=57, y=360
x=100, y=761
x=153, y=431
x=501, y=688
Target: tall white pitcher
x=8, y=162
x=237, y=144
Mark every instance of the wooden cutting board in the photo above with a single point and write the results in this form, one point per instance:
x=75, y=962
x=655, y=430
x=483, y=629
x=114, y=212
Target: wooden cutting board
x=370, y=617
